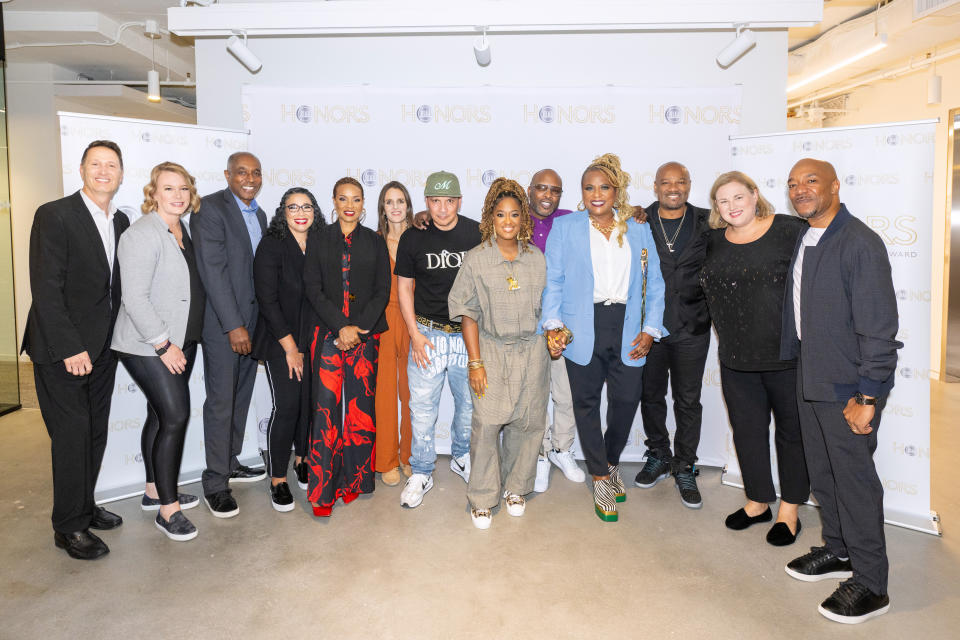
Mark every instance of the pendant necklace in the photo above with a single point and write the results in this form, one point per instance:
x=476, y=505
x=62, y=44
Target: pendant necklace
x=671, y=241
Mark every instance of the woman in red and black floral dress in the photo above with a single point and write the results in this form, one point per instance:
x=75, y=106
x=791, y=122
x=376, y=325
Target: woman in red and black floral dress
x=347, y=280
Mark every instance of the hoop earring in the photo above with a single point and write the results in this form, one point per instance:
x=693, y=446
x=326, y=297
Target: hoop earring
x=580, y=206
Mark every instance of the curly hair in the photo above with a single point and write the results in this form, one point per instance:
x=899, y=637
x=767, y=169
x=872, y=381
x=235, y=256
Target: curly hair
x=500, y=189
x=382, y=226
x=150, y=189
x=339, y=183
x=609, y=165
x=278, y=223
x=764, y=208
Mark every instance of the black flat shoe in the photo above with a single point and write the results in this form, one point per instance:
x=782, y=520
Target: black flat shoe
x=103, y=520
x=81, y=545
x=780, y=536
x=739, y=520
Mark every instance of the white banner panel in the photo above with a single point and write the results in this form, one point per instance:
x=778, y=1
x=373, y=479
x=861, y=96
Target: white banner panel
x=203, y=151
x=886, y=180
x=311, y=137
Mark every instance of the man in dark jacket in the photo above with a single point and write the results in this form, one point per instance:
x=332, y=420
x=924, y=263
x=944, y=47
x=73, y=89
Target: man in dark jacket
x=679, y=232
x=840, y=317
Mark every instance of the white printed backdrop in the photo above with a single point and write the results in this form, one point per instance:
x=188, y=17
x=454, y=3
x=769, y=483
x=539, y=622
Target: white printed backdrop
x=886, y=180
x=145, y=144
x=311, y=137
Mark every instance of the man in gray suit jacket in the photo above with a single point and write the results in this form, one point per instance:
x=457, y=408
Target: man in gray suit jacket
x=226, y=231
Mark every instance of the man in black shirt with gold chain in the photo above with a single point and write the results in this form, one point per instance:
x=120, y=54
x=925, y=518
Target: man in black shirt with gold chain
x=678, y=229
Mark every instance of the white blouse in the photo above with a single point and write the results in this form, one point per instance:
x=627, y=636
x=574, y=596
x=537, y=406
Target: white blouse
x=611, y=267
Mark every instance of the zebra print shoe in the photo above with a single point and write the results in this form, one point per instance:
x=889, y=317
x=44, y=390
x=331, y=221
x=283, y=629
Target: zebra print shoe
x=604, y=502
x=619, y=490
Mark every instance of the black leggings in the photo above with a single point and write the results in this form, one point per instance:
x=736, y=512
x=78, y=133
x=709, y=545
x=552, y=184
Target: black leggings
x=168, y=413
x=290, y=417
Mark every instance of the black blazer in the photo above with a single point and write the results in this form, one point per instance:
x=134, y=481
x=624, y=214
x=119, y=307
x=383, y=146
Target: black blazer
x=74, y=305
x=685, y=305
x=369, y=279
x=278, y=282
x=225, y=263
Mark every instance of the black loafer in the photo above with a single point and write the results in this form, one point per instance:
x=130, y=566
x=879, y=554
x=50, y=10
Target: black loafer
x=81, y=545
x=244, y=473
x=104, y=520
x=739, y=520
x=780, y=536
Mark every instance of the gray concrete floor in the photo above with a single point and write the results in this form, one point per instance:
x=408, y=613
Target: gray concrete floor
x=375, y=570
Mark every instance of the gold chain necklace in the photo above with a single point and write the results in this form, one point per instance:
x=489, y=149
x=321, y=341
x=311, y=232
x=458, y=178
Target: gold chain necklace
x=604, y=229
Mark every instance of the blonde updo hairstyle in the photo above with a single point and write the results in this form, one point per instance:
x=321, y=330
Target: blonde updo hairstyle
x=609, y=165
x=764, y=208
x=150, y=189
x=500, y=189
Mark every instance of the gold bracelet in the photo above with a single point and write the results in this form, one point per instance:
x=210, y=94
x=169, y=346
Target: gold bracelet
x=475, y=364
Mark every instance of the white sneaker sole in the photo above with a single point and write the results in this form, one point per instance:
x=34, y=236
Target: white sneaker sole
x=574, y=475
x=283, y=508
x=221, y=514
x=179, y=537
x=302, y=485
x=516, y=512
x=852, y=619
x=419, y=499
x=481, y=523
x=183, y=506
x=805, y=577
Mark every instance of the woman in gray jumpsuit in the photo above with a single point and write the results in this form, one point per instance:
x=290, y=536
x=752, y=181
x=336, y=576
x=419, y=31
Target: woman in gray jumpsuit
x=497, y=294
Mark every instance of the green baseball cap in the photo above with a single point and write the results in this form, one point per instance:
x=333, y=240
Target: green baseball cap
x=442, y=183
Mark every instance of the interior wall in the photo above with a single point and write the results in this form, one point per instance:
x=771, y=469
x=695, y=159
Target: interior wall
x=905, y=98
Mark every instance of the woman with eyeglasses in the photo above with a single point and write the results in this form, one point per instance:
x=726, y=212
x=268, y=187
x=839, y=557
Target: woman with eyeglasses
x=283, y=334
x=347, y=280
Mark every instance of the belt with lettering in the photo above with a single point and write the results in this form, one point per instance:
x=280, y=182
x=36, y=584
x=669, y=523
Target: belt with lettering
x=450, y=327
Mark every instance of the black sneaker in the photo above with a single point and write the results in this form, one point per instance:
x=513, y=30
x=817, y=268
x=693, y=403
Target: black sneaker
x=247, y=474
x=186, y=501
x=853, y=603
x=177, y=528
x=301, y=471
x=281, y=497
x=686, y=479
x=654, y=470
x=222, y=504
x=818, y=565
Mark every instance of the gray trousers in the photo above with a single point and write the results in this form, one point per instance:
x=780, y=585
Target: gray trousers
x=559, y=435
x=515, y=469
x=229, y=379
x=844, y=481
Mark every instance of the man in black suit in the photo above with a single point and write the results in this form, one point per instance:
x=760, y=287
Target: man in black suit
x=678, y=231
x=75, y=283
x=226, y=231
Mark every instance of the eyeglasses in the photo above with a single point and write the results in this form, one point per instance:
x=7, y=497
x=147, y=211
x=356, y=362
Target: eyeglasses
x=306, y=208
x=543, y=188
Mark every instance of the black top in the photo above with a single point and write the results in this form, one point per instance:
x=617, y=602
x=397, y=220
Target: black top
x=369, y=285
x=744, y=285
x=278, y=282
x=685, y=308
x=198, y=297
x=432, y=257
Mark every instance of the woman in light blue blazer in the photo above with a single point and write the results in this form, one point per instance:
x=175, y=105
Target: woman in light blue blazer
x=156, y=335
x=603, y=304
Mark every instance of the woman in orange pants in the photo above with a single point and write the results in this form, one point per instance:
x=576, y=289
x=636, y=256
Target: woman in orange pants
x=393, y=453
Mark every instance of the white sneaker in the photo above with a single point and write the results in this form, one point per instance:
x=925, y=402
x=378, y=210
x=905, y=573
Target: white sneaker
x=461, y=466
x=417, y=485
x=481, y=518
x=567, y=464
x=516, y=505
x=543, y=475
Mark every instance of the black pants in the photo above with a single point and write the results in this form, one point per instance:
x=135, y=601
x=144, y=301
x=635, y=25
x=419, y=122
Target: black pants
x=623, y=392
x=76, y=411
x=290, y=418
x=168, y=414
x=681, y=358
x=750, y=397
x=846, y=485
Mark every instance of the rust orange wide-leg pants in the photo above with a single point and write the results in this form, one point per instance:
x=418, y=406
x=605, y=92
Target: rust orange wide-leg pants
x=393, y=444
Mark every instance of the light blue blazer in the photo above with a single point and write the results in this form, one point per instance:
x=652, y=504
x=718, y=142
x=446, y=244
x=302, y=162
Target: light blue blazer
x=568, y=296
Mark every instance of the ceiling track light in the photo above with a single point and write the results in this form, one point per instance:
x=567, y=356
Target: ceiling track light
x=239, y=49
x=481, y=48
x=744, y=41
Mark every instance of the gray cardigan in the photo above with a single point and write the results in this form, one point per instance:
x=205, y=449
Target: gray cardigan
x=155, y=283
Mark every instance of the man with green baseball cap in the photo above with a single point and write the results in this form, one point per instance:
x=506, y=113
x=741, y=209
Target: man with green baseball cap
x=428, y=261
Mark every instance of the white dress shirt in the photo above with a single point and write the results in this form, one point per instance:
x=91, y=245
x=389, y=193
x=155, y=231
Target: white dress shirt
x=104, y=221
x=611, y=267
x=810, y=239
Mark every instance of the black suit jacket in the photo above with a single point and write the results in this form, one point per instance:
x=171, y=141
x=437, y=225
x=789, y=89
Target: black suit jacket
x=369, y=279
x=278, y=281
x=74, y=304
x=225, y=263
x=685, y=305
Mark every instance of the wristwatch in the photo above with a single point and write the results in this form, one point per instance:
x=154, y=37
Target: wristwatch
x=864, y=400
x=162, y=349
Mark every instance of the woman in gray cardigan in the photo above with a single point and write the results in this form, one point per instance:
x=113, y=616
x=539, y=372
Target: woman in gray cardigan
x=156, y=335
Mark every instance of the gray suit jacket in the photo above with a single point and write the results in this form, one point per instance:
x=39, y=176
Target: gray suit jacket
x=155, y=302
x=225, y=263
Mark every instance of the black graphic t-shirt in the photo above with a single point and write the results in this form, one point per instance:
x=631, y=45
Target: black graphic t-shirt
x=432, y=257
